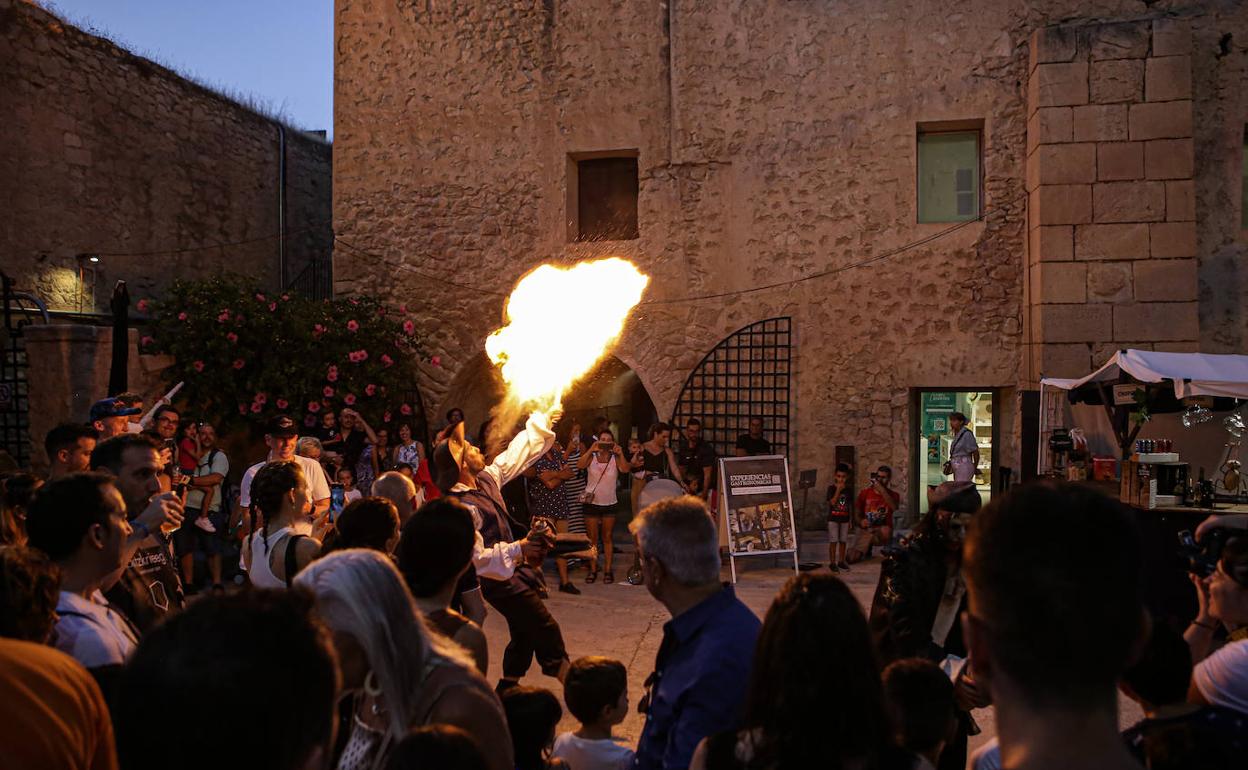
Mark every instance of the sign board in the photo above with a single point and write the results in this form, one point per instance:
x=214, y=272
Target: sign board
x=937, y=406
x=807, y=479
x=758, y=507
x=1124, y=395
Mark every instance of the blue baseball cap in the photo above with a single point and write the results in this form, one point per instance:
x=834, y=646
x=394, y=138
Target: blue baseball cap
x=112, y=407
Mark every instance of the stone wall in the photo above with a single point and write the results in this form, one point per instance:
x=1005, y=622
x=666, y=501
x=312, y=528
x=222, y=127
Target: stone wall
x=102, y=151
x=1110, y=172
x=774, y=140
x=69, y=370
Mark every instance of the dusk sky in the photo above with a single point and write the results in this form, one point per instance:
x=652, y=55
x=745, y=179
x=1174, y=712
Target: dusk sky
x=278, y=51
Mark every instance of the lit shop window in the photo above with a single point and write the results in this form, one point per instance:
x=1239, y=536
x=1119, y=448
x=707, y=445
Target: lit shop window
x=949, y=176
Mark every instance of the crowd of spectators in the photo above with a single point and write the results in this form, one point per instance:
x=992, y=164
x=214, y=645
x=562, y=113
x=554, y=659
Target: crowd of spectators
x=365, y=565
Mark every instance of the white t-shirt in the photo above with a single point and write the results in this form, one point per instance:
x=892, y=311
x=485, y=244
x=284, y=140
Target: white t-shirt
x=351, y=494
x=318, y=485
x=585, y=754
x=1223, y=676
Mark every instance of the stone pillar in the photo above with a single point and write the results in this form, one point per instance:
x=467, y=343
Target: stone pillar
x=69, y=367
x=1111, y=215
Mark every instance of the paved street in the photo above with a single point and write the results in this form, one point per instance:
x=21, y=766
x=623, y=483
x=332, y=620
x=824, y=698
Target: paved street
x=623, y=622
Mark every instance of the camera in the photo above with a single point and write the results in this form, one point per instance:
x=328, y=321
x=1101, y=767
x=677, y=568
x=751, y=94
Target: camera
x=1202, y=557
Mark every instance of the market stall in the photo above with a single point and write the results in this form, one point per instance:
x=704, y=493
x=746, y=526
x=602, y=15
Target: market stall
x=1162, y=430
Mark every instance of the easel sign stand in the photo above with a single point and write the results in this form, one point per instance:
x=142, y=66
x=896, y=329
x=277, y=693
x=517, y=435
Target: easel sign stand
x=757, y=508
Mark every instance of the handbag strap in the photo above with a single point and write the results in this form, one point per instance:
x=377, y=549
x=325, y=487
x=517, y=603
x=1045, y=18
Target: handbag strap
x=593, y=460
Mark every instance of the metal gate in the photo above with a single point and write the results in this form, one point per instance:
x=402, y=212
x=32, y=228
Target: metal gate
x=20, y=310
x=748, y=374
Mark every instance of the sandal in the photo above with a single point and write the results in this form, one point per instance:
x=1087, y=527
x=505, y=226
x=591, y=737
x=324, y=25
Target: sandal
x=591, y=577
x=608, y=577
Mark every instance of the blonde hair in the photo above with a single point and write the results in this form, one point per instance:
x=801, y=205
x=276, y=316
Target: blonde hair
x=359, y=592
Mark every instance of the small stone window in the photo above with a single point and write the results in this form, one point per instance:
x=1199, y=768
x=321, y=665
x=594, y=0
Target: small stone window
x=602, y=197
x=1243, y=196
x=949, y=175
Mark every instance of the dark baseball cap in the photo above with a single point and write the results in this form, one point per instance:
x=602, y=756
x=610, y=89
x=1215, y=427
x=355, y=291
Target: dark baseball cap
x=112, y=407
x=282, y=426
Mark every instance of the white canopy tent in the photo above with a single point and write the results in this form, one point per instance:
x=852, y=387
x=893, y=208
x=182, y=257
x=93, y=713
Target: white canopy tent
x=1193, y=374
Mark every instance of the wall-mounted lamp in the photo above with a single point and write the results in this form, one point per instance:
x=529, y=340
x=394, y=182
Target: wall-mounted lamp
x=86, y=263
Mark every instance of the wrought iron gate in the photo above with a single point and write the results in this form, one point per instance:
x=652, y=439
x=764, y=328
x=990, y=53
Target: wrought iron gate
x=20, y=310
x=748, y=374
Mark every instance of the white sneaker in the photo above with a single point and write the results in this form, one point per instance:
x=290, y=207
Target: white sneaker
x=205, y=524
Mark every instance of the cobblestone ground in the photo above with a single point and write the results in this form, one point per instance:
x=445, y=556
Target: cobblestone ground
x=623, y=622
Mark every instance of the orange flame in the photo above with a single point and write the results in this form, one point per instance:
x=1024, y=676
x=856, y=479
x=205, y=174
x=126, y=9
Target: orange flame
x=549, y=342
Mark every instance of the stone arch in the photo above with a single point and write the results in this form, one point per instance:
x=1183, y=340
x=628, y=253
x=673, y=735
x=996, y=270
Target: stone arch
x=613, y=388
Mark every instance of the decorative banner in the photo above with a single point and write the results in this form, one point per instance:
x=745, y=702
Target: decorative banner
x=758, y=506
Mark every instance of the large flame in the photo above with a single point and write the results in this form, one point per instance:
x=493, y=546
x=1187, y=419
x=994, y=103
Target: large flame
x=559, y=323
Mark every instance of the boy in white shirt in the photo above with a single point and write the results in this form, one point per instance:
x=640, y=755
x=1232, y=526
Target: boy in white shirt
x=596, y=692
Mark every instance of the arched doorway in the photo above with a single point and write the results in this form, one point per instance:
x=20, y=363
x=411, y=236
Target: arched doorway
x=612, y=390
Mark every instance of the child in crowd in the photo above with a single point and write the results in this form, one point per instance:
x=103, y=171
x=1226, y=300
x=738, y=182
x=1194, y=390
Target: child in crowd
x=596, y=692
x=919, y=697
x=441, y=746
x=840, y=511
x=346, y=477
x=532, y=715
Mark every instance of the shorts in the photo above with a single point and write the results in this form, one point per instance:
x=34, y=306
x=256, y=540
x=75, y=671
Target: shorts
x=189, y=538
x=598, y=510
x=838, y=532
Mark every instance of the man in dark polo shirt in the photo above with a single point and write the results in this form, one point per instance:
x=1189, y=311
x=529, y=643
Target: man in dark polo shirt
x=696, y=456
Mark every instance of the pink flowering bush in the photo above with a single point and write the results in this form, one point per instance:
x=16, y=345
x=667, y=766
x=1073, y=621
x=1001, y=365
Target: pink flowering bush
x=238, y=349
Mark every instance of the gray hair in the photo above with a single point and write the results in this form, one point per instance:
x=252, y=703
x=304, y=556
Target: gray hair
x=398, y=489
x=360, y=593
x=307, y=442
x=679, y=533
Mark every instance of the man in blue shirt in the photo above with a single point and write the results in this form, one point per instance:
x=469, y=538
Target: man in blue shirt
x=704, y=661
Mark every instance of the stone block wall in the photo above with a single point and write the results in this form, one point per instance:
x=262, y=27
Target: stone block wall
x=69, y=370
x=102, y=151
x=1110, y=176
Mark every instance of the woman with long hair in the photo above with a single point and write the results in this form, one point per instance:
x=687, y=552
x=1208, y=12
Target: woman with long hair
x=400, y=674
x=814, y=650
x=605, y=462
x=16, y=490
x=281, y=541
